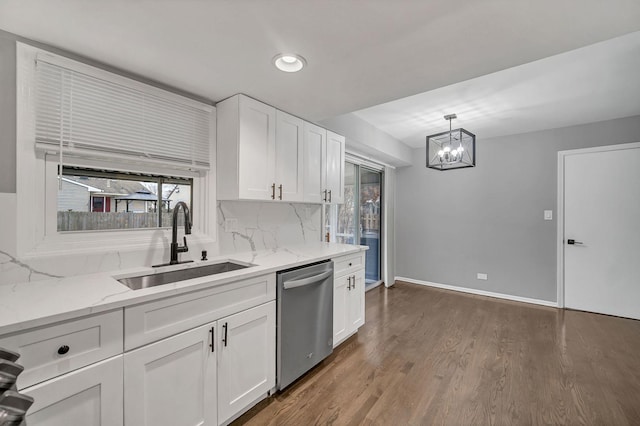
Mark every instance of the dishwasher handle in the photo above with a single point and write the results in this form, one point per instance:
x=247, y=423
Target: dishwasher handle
x=306, y=281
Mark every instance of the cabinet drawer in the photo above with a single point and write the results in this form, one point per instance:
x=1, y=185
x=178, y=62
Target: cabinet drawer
x=349, y=263
x=150, y=322
x=90, y=396
x=53, y=350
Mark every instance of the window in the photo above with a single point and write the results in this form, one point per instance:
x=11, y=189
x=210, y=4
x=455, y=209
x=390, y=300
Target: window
x=91, y=200
x=115, y=156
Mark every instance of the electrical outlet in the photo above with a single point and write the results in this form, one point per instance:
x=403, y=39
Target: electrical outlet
x=482, y=276
x=548, y=215
x=231, y=225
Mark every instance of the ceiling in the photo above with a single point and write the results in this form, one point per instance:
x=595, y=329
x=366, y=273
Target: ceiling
x=360, y=53
x=593, y=83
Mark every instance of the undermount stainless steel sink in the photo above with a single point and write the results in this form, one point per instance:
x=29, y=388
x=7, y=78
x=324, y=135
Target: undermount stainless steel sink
x=160, y=278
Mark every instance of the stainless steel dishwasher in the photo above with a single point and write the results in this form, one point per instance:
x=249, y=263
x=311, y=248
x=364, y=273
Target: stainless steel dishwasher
x=305, y=319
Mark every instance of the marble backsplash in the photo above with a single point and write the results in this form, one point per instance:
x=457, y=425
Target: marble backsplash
x=263, y=226
x=259, y=226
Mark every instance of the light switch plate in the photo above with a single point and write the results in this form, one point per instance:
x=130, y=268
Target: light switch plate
x=548, y=215
x=231, y=225
x=482, y=276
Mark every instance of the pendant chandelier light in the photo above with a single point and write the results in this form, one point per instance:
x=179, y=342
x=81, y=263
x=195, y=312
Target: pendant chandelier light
x=454, y=149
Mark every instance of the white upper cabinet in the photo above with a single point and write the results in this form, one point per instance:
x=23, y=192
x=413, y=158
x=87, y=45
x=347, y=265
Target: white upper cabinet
x=335, y=168
x=288, y=157
x=314, y=152
x=267, y=154
x=246, y=137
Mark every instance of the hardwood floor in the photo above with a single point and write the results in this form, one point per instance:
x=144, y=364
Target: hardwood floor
x=429, y=356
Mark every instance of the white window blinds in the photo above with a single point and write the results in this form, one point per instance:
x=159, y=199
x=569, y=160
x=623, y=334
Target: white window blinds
x=101, y=115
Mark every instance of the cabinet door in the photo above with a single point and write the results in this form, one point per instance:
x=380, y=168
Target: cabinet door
x=246, y=358
x=288, y=157
x=335, y=168
x=340, y=309
x=90, y=396
x=356, y=301
x=256, y=150
x=172, y=382
x=314, y=151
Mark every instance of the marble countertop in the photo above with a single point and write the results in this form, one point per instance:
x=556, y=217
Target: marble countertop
x=33, y=304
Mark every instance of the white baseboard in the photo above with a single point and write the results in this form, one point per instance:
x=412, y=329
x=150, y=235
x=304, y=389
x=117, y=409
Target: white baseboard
x=480, y=292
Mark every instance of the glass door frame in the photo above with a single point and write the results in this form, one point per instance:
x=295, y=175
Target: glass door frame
x=359, y=227
x=332, y=210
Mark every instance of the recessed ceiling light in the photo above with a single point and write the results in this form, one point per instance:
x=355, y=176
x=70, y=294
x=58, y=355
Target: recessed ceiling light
x=289, y=62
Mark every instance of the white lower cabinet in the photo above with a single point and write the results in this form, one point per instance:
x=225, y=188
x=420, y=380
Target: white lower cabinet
x=348, y=297
x=199, y=358
x=90, y=396
x=246, y=358
x=172, y=382
x=356, y=301
x=340, y=309
x=204, y=376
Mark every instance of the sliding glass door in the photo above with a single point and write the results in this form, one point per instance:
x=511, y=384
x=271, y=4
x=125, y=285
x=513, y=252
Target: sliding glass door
x=359, y=219
x=370, y=220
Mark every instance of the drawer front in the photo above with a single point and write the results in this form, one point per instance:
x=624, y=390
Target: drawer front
x=50, y=351
x=349, y=263
x=150, y=322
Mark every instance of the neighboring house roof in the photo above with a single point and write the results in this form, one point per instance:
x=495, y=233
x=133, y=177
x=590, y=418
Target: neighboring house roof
x=144, y=195
x=89, y=187
x=108, y=186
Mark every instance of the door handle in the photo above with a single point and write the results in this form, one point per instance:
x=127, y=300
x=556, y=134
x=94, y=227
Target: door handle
x=329, y=195
x=213, y=340
x=325, y=196
x=280, y=187
x=306, y=281
x=574, y=242
x=273, y=191
x=224, y=339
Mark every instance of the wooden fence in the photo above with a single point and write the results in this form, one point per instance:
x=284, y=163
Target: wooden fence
x=90, y=221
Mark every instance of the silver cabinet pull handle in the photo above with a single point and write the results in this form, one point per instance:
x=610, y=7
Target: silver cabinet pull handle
x=273, y=191
x=280, y=188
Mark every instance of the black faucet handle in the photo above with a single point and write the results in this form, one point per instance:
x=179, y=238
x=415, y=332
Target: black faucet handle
x=185, y=247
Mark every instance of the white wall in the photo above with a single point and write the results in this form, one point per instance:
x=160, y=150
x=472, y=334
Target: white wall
x=451, y=225
x=364, y=139
x=389, y=218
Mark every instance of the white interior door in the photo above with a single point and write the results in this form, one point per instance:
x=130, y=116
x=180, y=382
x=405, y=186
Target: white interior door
x=602, y=216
